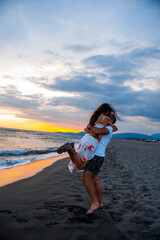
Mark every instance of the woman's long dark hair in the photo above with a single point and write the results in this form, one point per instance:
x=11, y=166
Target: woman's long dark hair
x=104, y=108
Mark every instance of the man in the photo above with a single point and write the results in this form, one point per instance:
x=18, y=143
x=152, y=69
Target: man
x=92, y=167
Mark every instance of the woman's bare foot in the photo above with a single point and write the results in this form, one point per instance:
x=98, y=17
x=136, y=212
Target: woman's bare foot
x=93, y=208
x=64, y=147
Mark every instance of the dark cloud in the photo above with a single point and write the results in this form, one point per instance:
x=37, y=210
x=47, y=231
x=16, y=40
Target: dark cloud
x=147, y=105
x=83, y=102
x=112, y=63
x=145, y=53
x=119, y=79
x=127, y=101
x=86, y=85
x=124, y=63
x=90, y=92
x=49, y=52
x=120, y=68
x=80, y=48
x=100, y=60
x=76, y=84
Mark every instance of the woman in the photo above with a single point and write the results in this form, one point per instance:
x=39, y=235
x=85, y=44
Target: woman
x=89, y=141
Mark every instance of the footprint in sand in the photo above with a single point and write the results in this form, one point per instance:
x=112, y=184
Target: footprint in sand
x=5, y=211
x=40, y=218
x=21, y=220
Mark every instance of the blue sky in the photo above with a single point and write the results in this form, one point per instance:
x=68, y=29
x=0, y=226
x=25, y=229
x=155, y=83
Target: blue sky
x=61, y=59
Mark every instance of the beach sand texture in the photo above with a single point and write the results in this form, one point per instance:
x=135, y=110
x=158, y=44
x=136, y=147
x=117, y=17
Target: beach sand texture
x=51, y=204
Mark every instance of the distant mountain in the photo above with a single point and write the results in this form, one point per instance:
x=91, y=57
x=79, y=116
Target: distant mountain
x=72, y=133
x=81, y=133
x=155, y=136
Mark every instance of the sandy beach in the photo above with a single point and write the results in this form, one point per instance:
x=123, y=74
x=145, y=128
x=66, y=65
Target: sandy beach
x=52, y=203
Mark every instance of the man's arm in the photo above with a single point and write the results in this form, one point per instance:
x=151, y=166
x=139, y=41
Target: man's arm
x=102, y=131
x=115, y=128
x=98, y=131
x=108, y=122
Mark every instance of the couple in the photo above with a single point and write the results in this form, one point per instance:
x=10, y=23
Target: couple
x=91, y=152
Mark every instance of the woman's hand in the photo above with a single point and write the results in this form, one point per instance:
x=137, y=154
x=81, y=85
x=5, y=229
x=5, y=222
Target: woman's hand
x=89, y=126
x=87, y=130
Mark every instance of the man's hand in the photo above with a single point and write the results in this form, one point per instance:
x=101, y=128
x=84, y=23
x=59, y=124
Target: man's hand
x=115, y=128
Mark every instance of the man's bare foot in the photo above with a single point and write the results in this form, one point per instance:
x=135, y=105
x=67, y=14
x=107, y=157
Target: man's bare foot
x=101, y=205
x=92, y=208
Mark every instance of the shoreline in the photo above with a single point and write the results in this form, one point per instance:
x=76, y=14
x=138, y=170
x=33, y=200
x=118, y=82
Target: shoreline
x=11, y=175
x=52, y=203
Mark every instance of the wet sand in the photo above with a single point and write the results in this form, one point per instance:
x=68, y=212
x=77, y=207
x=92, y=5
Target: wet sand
x=16, y=173
x=52, y=203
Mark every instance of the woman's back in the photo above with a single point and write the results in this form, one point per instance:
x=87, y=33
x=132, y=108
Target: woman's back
x=101, y=118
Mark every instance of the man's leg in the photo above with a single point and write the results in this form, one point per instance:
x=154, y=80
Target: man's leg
x=76, y=158
x=91, y=191
x=98, y=188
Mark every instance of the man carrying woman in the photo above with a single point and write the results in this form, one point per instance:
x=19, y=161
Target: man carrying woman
x=99, y=133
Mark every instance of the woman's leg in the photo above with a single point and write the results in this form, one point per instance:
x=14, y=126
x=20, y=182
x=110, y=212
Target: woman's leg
x=91, y=191
x=76, y=158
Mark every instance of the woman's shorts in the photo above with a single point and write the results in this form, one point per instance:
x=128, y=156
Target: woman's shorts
x=94, y=164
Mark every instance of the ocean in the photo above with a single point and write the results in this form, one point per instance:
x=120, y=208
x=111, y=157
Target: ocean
x=19, y=147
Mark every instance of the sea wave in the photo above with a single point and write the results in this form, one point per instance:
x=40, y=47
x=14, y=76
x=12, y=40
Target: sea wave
x=16, y=157
x=9, y=163
x=24, y=152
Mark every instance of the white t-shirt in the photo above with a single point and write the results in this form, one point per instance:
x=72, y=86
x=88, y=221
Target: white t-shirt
x=105, y=139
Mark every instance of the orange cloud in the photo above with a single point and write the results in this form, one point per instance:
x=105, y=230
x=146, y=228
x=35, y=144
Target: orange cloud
x=36, y=126
x=8, y=119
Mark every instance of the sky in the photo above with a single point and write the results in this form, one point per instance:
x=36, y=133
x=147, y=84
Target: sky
x=61, y=59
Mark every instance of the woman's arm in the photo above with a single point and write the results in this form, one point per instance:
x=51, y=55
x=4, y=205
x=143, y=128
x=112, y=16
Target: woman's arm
x=87, y=130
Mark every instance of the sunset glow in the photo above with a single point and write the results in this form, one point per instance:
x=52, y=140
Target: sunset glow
x=11, y=121
x=57, y=69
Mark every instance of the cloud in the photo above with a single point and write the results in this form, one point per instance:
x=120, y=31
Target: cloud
x=80, y=47
x=101, y=79
x=75, y=56
x=40, y=108
x=145, y=53
x=117, y=70
x=124, y=63
x=48, y=51
x=11, y=97
x=120, y=68
x=76, y=84
x=127, y=101
x=146, y=105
